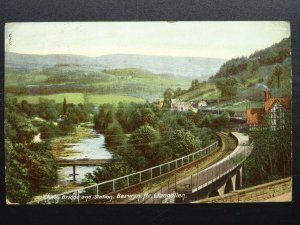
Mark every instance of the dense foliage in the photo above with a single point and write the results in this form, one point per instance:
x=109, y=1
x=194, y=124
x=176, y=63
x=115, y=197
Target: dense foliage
x=271, y=154
x=145, y=135
x=246, y=77
x=30, y=165
x=227, y=86
x=276, y=53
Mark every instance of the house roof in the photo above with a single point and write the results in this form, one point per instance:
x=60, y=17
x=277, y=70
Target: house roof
x=285, y=102
x=254, y=115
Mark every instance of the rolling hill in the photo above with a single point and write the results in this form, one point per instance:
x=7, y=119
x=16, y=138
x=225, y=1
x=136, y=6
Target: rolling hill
x=140, y=76
x=250, y=77
x=179, y=66
x=129, y=82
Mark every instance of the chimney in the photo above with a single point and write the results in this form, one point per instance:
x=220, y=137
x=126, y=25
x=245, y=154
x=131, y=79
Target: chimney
x=267, y=94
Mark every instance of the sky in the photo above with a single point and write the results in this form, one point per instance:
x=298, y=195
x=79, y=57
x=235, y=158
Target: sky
x=187, y=39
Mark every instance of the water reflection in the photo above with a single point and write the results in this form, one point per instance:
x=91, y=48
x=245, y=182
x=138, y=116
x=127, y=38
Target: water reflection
x=65, y=173
x=88, y=148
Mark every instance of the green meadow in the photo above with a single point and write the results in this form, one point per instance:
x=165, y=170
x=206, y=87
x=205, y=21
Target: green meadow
x=77, y=98
x=242, y=105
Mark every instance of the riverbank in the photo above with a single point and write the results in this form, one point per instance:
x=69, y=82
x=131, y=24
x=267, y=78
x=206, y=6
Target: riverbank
x=59, y=144
x=60, y=148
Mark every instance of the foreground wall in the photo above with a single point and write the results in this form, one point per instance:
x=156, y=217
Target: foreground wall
x=257, y=193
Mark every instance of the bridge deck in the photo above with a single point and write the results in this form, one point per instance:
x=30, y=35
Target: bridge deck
x=206, y=177
x=182, y=180
x=228, y=145
x=80, y=162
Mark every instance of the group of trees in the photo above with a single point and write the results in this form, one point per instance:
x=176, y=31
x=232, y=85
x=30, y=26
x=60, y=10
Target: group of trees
x=30, y=166
x=50, y=111
x=195, y=84
x=277, y=53
x=227, y=86
x=271, y=154
x=232, y=67
x=170, y=93
x=145, y=135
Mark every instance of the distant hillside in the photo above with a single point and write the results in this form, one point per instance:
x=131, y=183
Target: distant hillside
x=276, y=53
x=246, y=78
x=181, y=66
x=90, y=79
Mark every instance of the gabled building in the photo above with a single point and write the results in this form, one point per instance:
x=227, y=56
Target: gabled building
x=181, y=106
x=274, y=112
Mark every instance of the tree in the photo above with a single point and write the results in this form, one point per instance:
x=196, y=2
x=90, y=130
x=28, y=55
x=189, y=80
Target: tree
x=47, y=109
x=135, y=119
x=107, y=172
x=9, y=132
x=221, y=120
x=26, y=108
x=227, y=86
x=207, y=120
x=271, y=154
x=65, y=107
x=253, y=66
x=66, y=125
x=144, y=141
x=275, y=76
x=277, y=73
x=193, y=85
x=178, y=92
x=181, y=142
x=23, y=127
x=48, y=131
x=168, y=95
x=30, y=169
x=114, y=136
x=41, y=165
x=221, y=85
x=148, y=116
x=17, y=186
x=104, y=117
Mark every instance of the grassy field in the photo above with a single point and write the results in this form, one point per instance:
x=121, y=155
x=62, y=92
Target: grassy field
x=78, y=79
x=77, y=98
x=205, y=91
x=241, y=105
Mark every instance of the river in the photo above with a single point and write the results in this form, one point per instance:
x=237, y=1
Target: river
x=87, y=148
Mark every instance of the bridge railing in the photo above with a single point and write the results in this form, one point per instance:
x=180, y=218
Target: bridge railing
x=98, y=191
x=205, y=177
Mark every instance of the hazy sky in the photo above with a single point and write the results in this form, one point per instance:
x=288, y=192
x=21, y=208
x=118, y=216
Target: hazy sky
x=196, y=39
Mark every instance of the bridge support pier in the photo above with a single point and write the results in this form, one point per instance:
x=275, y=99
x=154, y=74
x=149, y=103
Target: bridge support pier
x=233, y=180
x=74, y=172
x=239, y=175
x=230, y=182
x=221, y=190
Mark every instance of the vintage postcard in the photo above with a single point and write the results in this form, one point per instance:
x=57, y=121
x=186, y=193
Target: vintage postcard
x=147, y=112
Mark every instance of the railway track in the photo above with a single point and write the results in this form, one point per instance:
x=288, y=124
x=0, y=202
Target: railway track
x=163, y=183
x=227, y=146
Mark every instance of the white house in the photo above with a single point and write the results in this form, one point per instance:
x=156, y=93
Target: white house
x=202, y=104
x=181, y=106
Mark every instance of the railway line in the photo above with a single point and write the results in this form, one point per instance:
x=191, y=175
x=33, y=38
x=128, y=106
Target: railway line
x=228, y=144
x=161, y=178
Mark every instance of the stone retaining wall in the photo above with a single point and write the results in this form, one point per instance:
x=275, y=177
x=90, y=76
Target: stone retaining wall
x=256, y=193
